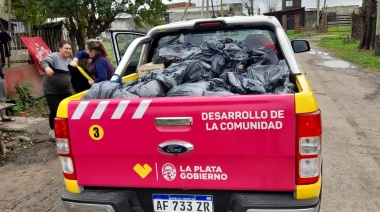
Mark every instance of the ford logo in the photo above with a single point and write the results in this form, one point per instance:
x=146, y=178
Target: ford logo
x=175, y=147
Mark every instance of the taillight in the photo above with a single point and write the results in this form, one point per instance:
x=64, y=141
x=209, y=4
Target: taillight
x=209, y=24
x=309, y=143
x=62, y=138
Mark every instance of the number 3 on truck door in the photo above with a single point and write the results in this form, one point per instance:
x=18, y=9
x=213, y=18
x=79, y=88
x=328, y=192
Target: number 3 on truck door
x=96, y=132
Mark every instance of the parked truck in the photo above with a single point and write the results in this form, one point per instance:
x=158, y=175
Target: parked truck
x=250, y=151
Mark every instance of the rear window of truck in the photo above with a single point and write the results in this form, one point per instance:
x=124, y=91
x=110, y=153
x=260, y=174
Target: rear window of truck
x=253, y=38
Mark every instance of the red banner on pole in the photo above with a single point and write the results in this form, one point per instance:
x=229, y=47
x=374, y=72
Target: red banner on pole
x=37, y=49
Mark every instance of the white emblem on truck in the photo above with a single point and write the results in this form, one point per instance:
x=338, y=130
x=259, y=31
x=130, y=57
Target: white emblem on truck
x=169, y=172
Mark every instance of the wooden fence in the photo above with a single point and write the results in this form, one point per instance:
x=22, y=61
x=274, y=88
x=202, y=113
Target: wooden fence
x=51, y=33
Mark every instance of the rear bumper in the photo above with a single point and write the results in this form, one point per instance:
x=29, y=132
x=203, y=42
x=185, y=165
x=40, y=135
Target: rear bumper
x=101, y=200
x=271, y=203
x=115, y=201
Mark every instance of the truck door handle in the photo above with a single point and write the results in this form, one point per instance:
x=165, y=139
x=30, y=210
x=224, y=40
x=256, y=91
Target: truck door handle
x=174, y=121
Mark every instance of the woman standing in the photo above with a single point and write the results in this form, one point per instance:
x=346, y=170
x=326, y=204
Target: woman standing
x=100, y=66
x=57, y=80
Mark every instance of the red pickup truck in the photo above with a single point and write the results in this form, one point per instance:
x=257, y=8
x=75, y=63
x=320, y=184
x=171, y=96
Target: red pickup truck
x=253, y=151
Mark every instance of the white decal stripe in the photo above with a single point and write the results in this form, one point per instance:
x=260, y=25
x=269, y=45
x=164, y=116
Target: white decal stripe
x=80, y=109
x=120, y=109
x=100, y=109
x=144, y=104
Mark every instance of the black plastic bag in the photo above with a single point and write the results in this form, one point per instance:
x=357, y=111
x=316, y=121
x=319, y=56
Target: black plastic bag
x=212, y=53
x=179, y=73
x=188, y=89
x=244, y=85
x=235, y=54
x=175, y=53
x=262, y=56
x=271, y=76
x=101, y=90
x=148, y=88
x=120, y=93
x=78, y=80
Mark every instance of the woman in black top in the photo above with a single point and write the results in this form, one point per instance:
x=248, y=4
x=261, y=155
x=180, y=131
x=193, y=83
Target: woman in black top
x=56, y=82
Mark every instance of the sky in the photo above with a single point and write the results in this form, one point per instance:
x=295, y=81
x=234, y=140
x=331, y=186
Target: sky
x=305, y=3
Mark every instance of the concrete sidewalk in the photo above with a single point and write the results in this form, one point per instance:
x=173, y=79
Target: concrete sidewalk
x=35, y=128
x=30, y=124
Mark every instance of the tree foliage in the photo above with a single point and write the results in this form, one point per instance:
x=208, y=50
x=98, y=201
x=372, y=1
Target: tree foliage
x=33, y=14
x=271, y=5
x=88, y=18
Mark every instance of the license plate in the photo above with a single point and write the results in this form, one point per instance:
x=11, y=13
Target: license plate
x=179, y=203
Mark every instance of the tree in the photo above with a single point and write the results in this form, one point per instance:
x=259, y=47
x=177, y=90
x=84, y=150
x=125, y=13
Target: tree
x=88, y=18
x=368, y=14
x=34, y=16
x=247, y=4
x=271, y=5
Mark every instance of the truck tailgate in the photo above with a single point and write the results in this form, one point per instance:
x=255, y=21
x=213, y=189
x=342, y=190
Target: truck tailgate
x=235, y=142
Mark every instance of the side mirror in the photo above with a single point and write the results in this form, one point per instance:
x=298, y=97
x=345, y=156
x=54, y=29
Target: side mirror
x=300, y=46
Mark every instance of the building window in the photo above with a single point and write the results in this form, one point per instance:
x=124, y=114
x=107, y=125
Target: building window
x=289, y=3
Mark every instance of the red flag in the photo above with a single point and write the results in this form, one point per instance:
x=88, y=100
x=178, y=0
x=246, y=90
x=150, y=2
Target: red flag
x=37, y=49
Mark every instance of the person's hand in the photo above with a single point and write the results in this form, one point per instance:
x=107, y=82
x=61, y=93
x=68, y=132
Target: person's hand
x=74, y=63
x=90, y=82
x=49, y=71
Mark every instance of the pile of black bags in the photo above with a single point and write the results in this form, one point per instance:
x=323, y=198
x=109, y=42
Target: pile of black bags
x=217, y=67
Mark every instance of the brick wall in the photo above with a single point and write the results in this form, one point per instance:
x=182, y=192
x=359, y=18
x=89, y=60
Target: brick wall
x=322, y=27
x=284, y=22
x=21, y=75
x=180, y=5
x=296, y=21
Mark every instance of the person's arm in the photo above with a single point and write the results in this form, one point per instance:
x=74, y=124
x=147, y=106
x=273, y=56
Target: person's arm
x=79, y=55
x=101, y=70
x=46, y=63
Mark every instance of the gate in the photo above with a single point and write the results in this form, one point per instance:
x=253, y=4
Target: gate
x=338, y=19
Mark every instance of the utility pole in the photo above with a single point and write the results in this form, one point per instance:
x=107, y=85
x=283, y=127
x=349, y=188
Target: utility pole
x=221, y=8
x=207, y=9
x=377, y=35
x=213, y=11
x=317, y=23
x=9, y=28
x=184, y=12
x=203, y=7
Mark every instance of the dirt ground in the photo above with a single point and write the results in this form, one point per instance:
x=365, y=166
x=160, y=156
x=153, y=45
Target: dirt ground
x=349, y=97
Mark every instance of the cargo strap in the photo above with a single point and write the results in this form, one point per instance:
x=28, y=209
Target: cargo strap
x=83, y=72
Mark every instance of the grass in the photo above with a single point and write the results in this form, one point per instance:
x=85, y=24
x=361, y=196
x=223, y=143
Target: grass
x=331, y=30
x=347, y=50
x=338, y=41
x=108, y=47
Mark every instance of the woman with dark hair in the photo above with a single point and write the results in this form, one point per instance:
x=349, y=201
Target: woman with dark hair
x=100, y=66
x=57, y=79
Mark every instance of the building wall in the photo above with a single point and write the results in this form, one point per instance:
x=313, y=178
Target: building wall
x=123, y=24
x=23, y=74
x=322, y=28
x=175, y=14
x=179, y=5
x=296, y=4
x=343, y=9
